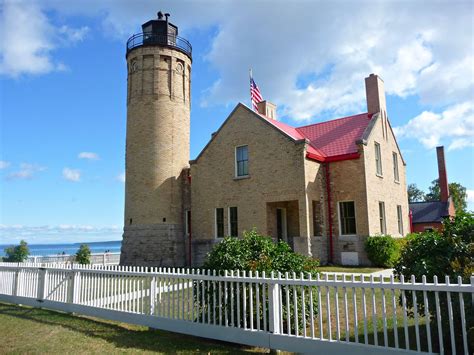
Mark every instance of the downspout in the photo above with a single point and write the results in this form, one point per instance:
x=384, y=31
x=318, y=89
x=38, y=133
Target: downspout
x=190, y=236
x=410, y=216
x=190, y=240
x=328, y=192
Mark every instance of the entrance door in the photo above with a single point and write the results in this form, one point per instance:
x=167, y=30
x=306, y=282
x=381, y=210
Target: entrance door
x=281, y=224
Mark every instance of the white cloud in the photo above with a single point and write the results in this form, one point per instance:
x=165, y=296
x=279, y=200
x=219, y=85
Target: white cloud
x=4, y=164
x=88, y=156
x=26, y=172
x=13, y=233
x=454, y=126
x=28, y=39
x=470, y=196
x=310, y=58
x=121, y=177
x=73, y=175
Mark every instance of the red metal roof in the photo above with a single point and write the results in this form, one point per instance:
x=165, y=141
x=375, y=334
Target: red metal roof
x=330, y=140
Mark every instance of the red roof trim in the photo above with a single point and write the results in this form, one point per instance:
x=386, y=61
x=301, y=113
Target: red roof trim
x=349, y=156
x=341, y=157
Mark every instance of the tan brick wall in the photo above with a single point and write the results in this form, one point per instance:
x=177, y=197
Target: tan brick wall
x=157, y=151
x=347, y=181
x=385, y=188
x=158, y=124
x=276, y=170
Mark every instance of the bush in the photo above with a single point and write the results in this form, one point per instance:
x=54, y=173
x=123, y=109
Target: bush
x=383, y=250
x=255, y=252
x=252, y=253
x=83, y=255
x=17, y=253
x=447, y=253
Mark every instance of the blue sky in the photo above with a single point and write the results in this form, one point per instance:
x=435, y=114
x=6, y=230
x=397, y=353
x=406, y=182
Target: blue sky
x=63, y=82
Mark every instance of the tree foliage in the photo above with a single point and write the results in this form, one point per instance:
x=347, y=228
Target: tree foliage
x=18, y=253
x=83, y=254
x=457, y=192
x=415, y=194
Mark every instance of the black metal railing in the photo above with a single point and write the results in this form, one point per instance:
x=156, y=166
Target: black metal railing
x=150, y=39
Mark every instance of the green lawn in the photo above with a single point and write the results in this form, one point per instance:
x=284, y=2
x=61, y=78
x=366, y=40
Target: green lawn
x=34, y=331
x=353, y=269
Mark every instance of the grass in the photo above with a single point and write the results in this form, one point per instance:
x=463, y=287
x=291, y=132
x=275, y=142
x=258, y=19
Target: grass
x=34, y=331
x=353, y=269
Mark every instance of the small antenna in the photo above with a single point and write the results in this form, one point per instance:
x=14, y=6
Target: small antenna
x=167, y=15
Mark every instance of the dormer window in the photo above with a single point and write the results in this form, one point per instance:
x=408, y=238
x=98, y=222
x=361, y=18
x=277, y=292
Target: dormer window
x=241, y=161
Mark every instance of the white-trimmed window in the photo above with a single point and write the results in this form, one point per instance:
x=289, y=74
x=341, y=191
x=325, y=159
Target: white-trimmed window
x=396, y=175
x=400, y=219
x=383, y=224
x=219, y=220
x=233, y=222
x=242, y=160
x=378, y=159
x=347, y=218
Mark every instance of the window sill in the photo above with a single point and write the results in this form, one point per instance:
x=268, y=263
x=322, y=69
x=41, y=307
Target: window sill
x=380, y=176
x=396, y=182
x=242, y=177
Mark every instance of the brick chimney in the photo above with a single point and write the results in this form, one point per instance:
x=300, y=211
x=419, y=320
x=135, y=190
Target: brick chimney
x=375, y=94
x=443, y=176
x=267, y=109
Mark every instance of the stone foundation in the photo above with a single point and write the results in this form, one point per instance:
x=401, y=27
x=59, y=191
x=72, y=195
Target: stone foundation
x=319, y=249
x=153, y=245
x=200, y=248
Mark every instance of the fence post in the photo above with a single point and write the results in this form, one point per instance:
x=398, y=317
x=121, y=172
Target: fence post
x=274, y=306
x=16, y=282
x=152, y=294
x=72, y=286
x=41, y=284
x=472, y=286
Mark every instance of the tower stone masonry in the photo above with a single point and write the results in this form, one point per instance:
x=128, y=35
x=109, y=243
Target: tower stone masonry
x=157, y=145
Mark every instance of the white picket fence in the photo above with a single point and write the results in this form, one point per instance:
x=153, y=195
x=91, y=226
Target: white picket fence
x=333, y=313
x=96, y=258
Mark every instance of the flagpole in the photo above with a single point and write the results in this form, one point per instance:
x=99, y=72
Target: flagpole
x=250, y=74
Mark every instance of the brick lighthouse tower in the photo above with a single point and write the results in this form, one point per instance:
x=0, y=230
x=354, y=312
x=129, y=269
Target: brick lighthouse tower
x=157, y=147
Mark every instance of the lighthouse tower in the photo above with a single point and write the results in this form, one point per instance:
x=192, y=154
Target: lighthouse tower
x=157, y=147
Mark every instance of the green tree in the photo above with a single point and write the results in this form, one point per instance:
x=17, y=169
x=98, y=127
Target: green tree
x=83, y=255
x=415, y=194
x=18, y=253
x=457, y=192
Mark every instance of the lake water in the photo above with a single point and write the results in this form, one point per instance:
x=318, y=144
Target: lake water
x=55, y=249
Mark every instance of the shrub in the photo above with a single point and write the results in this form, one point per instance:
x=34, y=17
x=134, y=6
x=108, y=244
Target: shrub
x=255, y=253
x=17, y=253
x=382, y=250
x=447, y=253
x=83, y=254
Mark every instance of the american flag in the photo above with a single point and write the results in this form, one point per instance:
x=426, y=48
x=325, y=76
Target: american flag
x=255, y=94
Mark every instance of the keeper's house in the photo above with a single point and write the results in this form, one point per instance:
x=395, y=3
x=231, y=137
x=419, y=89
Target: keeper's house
x=323, y=188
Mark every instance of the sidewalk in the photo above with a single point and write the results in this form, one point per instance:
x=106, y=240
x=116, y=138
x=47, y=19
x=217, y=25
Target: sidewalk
x=384, y=273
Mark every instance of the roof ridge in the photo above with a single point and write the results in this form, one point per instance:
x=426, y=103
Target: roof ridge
x=335, y=119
